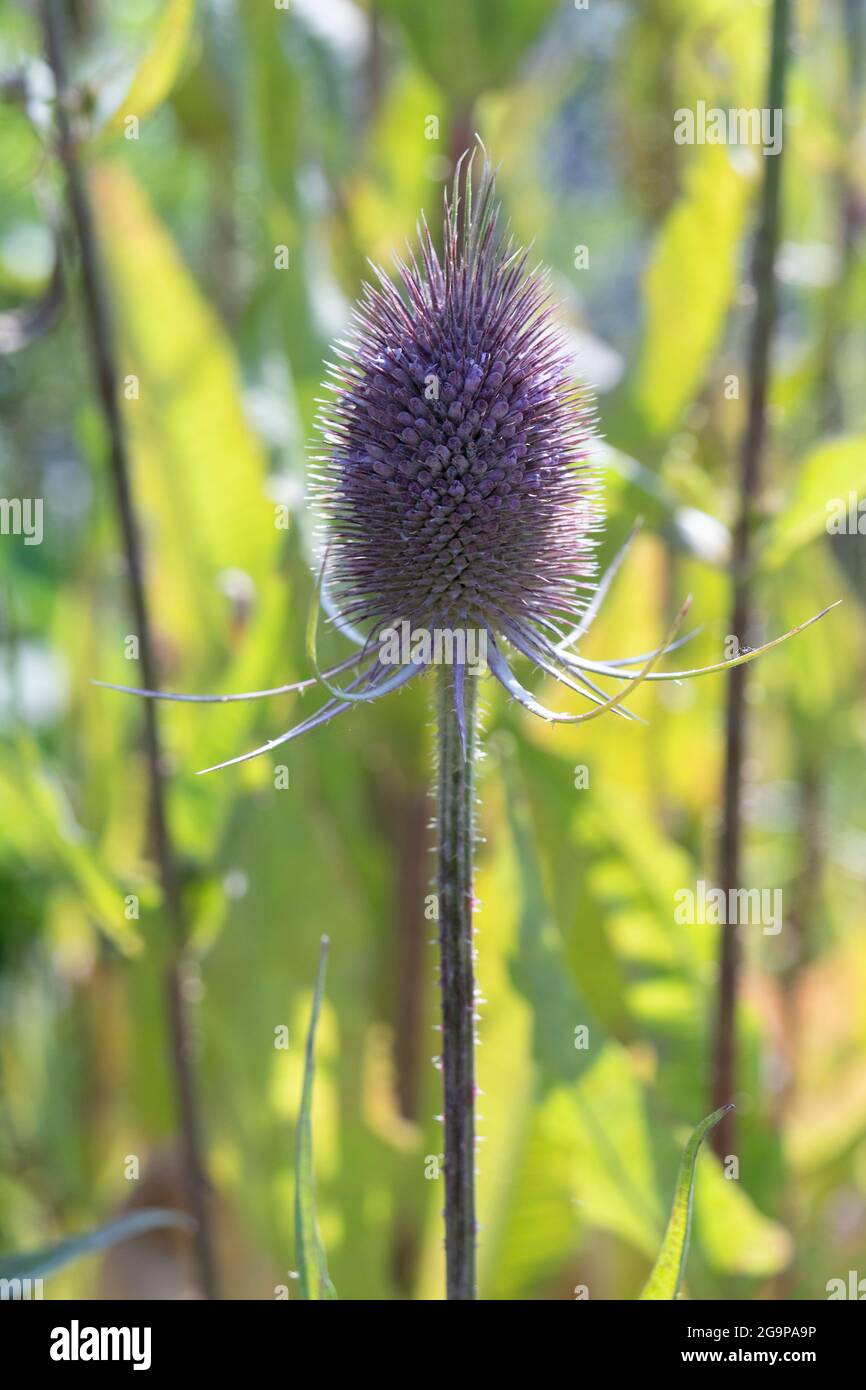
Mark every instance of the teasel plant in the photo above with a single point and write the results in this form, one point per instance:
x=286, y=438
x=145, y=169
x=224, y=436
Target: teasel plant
x=456, y=491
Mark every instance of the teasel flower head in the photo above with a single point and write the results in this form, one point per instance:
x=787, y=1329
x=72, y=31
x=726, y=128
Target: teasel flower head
x=455, y=482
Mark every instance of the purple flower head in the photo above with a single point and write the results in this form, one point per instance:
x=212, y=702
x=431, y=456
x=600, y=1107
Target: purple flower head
x=455, y=483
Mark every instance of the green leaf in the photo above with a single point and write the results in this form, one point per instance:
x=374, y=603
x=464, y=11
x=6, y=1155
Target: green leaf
x=538, y=968
x=666, y=1277
x=688, y=288
x=44, y=830
x=158, y=70
x=538, y=1226
x=633, y=490
x=33, y=1264
x=310, y=1253
x=188, y=424
x=469, y=48
x=830, y=482
x=608, y=1117
x=734, y=1236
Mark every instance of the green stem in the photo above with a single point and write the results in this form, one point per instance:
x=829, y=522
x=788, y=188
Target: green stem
x=454, y=849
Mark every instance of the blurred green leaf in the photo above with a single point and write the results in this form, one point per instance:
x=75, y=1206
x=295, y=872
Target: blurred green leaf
x=468, y=48
x=614, y=1163
x=539, y=1225
x=830, y=482
x=310, y=1252
x=733, y=1234
x=41, y=819
x=539, y=969
x=632, y=491
x=33, y=1264
x=688, y=288
x=186, y=421
x=667, y=1274
x=158, y=70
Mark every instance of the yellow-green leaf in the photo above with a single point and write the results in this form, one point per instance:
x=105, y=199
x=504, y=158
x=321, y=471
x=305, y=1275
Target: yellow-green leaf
x=733, y=1234
x=688, y=288
x=830, y=486
x=158, y=70
x=186, y=423
x=312, y=1264
x=667, y=1273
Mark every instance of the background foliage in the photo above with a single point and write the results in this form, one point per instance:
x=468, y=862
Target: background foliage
x=307, y=129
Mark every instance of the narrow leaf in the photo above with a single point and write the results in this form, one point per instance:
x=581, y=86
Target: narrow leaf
x=310, y=1253
x=666, y=1277
x=158, y=70
x=32, y=1264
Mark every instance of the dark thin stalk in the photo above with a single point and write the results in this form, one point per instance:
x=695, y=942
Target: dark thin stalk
x=101, y=346
x=455, y=844
x=751, y=458
x=849, y=219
